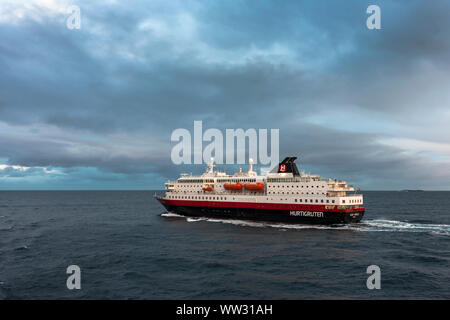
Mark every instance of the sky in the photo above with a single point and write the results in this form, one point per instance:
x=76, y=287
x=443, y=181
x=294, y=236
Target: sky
x=94, y=108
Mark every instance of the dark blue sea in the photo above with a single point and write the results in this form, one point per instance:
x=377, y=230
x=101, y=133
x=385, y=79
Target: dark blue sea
x=127, y=250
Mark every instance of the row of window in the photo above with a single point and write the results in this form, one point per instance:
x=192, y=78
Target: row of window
x=181, y=181
x=295, y=192
x=197, y=197
x=236, y=180
x=188, y=186
x=200, y=185
x=287, y=186
x=191, y=180
x=246, y=192
x=353, y=201
x=296, y=179
x=316, y=200
x=225, y=198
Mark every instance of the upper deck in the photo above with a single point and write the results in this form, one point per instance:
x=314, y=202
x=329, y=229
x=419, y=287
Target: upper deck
x=291, y=187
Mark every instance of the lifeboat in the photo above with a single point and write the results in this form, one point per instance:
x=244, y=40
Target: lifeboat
x=232, y=186
x=208, y=188
x=254, y=186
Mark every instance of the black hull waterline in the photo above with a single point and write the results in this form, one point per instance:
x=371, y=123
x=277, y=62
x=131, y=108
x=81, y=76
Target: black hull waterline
x=254, y=214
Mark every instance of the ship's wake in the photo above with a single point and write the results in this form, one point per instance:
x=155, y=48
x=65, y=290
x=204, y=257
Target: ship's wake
x=377, y=225
x=393, y=225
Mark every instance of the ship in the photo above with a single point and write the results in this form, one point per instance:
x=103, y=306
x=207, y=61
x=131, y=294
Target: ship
x=281, y=195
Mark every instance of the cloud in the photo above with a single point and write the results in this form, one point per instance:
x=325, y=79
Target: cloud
x=371, y=105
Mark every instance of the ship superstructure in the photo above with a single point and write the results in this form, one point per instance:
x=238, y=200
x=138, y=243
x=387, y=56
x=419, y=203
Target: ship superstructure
x=284, y=195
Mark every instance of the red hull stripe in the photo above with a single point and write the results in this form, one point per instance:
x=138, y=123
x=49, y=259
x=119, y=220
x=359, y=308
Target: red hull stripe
x=256, y=205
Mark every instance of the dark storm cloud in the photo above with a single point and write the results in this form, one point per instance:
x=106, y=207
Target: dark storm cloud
x=135, y=72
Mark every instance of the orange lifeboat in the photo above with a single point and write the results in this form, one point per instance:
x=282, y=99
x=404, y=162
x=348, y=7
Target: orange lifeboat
x=232, y=186
x=254, y=186
x=208, y=188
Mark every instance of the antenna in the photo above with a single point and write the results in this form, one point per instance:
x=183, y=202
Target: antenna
x=211, y=166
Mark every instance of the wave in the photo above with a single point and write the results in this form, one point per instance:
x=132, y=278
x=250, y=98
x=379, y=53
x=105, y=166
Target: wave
x=377, y=225
x=24, y=247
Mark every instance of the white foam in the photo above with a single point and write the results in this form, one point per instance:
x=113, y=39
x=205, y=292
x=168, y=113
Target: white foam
x=379, y=225
x=402, y=226
x=172, y=215
x=256, y=224
x=195, y=219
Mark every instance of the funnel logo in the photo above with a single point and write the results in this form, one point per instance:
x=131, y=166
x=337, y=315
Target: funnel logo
x=282, y=167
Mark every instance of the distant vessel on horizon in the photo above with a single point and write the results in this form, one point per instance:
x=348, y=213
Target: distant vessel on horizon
x=283, y=195
x=412, y=190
